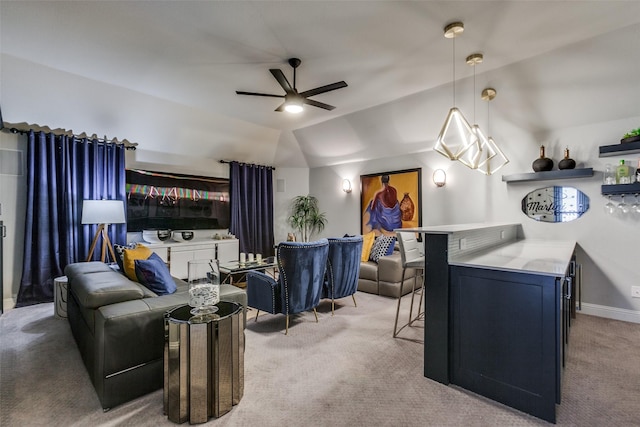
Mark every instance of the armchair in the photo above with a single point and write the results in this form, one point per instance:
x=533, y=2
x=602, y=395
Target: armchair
x=301, y=272
x=343, y=269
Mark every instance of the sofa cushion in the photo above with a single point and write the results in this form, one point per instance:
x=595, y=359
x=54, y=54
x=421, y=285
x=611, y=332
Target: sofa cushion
x=390, y=269
x=382, y=246
x=367, y=243
x=130, y=257
x=154, y=274
x=369, y=271
x=103, y=288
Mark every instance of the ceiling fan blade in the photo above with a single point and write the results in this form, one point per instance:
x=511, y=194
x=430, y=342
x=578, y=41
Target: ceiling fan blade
x=323, y=89
x=318, y=104
x=281, y=107
x=279, y=75
x=239, y=92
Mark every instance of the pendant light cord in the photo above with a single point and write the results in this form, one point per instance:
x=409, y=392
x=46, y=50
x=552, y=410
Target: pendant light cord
x=454, y=71
x=488, y=118
x=474, y=94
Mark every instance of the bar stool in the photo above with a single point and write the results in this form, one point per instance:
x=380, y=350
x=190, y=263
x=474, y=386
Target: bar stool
x=412, y=257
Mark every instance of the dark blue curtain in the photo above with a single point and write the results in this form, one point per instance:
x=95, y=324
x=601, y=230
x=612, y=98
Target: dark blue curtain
x=251, y=188
x=62, y=172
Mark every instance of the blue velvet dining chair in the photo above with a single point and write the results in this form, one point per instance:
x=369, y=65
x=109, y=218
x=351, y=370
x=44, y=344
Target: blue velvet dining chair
x=298, y=287
x=343, y=269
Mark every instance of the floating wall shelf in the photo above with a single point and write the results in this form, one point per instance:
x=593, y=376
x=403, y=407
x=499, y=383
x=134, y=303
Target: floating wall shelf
x=620, y=149
x=543, y=176
x=621, y=189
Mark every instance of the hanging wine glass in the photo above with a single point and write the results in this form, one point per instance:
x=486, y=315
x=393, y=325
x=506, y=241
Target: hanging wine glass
x=610, y=208
x=624, y=208
x=635, y=207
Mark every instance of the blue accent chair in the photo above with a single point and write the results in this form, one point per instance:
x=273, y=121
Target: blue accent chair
x=301, y=272
x=343, y=269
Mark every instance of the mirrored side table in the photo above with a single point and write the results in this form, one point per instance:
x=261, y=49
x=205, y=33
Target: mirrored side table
x=203, y=363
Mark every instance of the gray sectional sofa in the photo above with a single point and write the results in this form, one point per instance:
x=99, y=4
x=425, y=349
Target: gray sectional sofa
x=118, y=325
x=384, y=277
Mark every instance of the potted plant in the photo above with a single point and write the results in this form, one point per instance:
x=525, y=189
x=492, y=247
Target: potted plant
x=631, y=136
x=306, y=217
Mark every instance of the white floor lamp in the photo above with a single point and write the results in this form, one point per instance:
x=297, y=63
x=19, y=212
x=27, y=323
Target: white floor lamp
x=103, y=213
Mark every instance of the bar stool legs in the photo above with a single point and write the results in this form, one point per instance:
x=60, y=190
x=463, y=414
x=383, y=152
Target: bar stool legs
x=412, y=319
x=422, y=295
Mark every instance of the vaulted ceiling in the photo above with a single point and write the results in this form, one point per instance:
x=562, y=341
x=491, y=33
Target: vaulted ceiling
x=392, y=54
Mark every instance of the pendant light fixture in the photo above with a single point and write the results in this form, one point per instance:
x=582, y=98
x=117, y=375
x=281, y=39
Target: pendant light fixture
x=472, y=157
x=490, y=163
x=456, y=136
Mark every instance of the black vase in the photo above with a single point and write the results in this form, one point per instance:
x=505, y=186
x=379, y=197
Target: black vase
x=543, y=163
x=566, y=163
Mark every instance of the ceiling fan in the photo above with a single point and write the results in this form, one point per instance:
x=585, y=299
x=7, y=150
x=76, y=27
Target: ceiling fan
x=293, y=100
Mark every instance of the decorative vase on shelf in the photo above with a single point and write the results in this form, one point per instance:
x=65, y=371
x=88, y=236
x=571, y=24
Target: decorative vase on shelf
x=407, y=208
x=567, y=162
x=543, y=163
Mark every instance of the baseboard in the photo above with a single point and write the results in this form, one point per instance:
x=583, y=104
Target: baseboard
x=611, y=312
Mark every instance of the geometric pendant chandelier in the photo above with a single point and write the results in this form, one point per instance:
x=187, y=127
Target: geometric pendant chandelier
x=477, y=153
x=457, y=140
x=492, y=157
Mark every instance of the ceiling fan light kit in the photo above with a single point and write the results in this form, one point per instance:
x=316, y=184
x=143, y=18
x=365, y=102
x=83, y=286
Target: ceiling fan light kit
x=293, y=104
x=294, y=100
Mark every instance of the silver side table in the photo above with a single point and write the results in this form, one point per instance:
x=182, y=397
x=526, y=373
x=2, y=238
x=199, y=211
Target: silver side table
x=60, y=285
x=203, y=363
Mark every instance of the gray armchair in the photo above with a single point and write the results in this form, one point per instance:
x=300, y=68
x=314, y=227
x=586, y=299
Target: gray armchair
x=298, y=288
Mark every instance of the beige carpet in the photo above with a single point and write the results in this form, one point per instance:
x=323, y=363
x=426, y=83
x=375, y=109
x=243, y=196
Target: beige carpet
x=346, y=370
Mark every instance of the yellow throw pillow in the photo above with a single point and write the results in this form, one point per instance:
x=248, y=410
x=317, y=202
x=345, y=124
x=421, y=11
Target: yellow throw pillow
x=367, y=243
x=130, y=257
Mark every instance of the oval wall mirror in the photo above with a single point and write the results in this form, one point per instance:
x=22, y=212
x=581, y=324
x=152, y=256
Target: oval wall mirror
x=555, y=204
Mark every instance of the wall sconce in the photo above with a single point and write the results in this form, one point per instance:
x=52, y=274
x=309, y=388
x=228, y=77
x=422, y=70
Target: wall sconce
x=346, y=185
x=439, y=177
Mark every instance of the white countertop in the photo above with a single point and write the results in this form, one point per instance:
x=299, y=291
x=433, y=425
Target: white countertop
x=546, y=257
x=456, y=228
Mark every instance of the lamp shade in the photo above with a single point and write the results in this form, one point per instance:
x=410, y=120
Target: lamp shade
x=103, y=212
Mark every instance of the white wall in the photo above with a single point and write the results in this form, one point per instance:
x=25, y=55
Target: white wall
x=607, y=245
x=13, y=189
x=294, y=182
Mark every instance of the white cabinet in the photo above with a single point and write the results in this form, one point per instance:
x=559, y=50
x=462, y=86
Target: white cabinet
x=181, y=255
x=228, y=250
x=161, y=251
x=177, y=254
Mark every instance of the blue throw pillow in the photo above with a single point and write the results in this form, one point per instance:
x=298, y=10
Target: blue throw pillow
x=383, y=245
x=154, y=274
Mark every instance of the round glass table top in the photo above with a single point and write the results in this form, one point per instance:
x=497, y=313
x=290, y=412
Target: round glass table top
x=183, y=313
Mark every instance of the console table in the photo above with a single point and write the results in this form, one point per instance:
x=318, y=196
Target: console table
x=203, y=363
x=236, y=268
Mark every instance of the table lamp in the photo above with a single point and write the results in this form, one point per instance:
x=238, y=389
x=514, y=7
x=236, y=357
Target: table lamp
x=103, y=213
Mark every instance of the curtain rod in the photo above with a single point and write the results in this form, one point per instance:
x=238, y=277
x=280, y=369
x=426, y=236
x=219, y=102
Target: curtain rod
x=248, y=164
x=24, y=127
